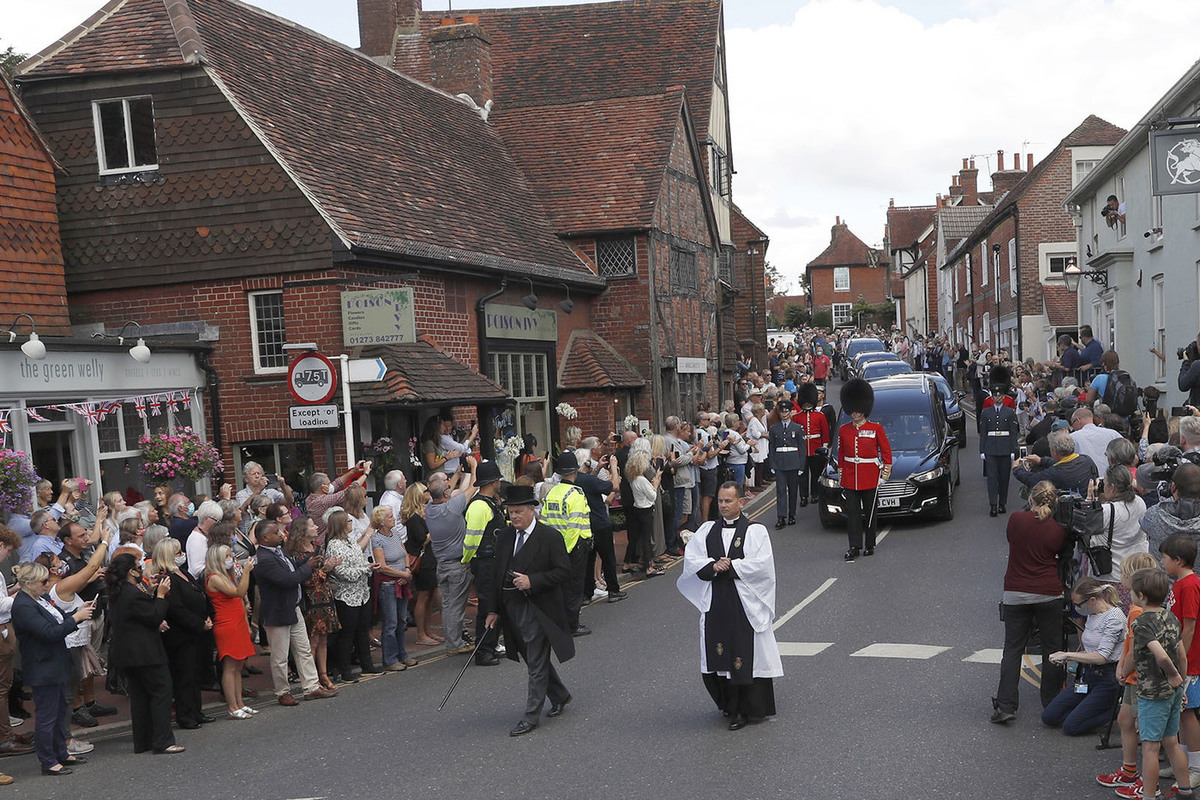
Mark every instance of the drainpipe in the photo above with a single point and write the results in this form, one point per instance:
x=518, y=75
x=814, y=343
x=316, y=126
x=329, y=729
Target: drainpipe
x=486, y=434
x=1016, y=216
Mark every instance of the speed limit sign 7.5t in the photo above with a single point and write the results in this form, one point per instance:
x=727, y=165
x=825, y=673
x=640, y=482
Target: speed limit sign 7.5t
x=311, y=379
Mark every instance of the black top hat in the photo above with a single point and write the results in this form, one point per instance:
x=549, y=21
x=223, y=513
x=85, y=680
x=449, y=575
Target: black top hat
x=807, y=394
x=857, y=395
x=519, y=495
x=487, y=472
x=567, y=463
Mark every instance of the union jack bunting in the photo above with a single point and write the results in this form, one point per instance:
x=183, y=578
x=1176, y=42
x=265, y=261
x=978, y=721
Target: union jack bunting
x=185, y=398
x=172, y=402
x=156, y=406
x=5, y=427
x=139, y=403
x=94, y=412
x=111, y=407
x=35, y=416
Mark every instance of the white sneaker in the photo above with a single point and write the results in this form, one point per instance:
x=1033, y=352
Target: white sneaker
x=598, y=593
x=78, y=747
x=249, y=710
x=14, y=722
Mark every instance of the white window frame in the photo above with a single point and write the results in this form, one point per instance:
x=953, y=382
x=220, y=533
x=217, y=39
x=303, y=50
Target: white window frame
x=954, y=272
x=986, y=324
x=838, y=284
x=1156, y=219
x=102, y=156
x=1013, y=276
x=259, y=369
x=983, y=259
x=1160, y=325
x=996, y=278
x=1082, y=167
x=840, y=312
x=1048, y=250
x=968, y=274
x=1122, y=228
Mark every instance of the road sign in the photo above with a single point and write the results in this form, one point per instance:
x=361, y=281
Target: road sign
x=366, y=370
x=304, y=418
x=311, y=379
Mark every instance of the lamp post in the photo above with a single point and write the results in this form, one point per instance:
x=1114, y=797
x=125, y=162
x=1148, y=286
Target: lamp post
x=1073, y=273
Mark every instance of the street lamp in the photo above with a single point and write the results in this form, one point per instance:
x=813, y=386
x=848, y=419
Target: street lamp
x=35, y=348
x=1073, y=273
x=530, y=300
x=139, y=352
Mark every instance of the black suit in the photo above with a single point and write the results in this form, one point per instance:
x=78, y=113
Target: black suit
x=278, y=588
x=137, y=651
x=535, y=621
x=46, y=665
x=187, y=609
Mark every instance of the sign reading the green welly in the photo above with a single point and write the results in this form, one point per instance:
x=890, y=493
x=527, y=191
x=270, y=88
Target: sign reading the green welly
x=518, y=322
x=378, y=316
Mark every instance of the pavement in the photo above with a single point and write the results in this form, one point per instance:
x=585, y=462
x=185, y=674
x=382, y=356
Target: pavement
x=889, y=664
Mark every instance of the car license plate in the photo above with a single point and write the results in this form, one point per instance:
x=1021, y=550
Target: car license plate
x=889, y=502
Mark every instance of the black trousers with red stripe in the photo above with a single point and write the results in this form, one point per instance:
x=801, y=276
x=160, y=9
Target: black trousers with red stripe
x=862, y=520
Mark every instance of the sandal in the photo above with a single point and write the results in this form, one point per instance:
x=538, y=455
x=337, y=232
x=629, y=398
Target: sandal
x=239, y=713
x=427, y=642
x=170, y=751
x=654, y=572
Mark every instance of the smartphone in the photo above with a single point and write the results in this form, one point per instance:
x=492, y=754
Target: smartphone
x=1023, y=451
x=272, y=480
x=1180, y=411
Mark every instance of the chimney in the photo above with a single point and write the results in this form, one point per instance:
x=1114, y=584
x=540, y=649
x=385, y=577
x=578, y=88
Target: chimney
x=968, y=181
x=460, y=56
x=380, y=20
x=1004, y=180
x=1030, y=161
x=1017, y=161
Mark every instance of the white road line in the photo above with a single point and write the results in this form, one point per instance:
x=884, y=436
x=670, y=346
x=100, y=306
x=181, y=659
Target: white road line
x=882, y=534
x=803, y=648
x=803, y=603
x=988, y=656
x=892, y=650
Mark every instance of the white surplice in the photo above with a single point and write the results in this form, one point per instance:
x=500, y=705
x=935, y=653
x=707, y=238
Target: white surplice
x=755, y=586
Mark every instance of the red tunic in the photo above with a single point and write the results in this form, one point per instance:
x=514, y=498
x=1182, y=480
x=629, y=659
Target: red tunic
x=1008, y=401
x=862, y=451
x=816, y=429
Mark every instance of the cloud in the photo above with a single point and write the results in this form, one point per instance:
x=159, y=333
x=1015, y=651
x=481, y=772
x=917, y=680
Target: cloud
x=854, y=102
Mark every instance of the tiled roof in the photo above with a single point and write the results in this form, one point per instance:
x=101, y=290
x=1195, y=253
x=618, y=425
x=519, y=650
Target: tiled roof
x=563, y=55
x=596, y=165
x=591, y=363
x=905, y=225
x=393, y=165
x=1059, y=303
x=145, y=40
x=957, y=222
x=845, y=249
x=420, y=374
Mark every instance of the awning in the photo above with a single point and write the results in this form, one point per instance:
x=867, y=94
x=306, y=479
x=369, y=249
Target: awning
x=591, y=363
x=419, y=374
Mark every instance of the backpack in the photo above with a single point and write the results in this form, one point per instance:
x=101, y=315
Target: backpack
x=1121, y=393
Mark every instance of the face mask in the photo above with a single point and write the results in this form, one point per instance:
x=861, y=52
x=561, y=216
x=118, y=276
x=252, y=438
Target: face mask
x=229, y=563
x=62, y=570
x=180, y=560
x=1082, y=609
x=329, y=488
x=191, y=509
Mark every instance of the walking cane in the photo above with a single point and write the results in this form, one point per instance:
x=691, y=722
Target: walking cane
x=462, y=672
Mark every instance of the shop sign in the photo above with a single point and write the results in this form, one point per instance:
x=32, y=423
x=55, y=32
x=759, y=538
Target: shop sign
x=1175, y=161
x=307, y=418
x=378, y=316
x=311, y=379
x=691, y=366
x=518, y=322
x=97, y=372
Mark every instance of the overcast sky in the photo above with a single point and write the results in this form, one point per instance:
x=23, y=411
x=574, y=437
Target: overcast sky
x=839, y=105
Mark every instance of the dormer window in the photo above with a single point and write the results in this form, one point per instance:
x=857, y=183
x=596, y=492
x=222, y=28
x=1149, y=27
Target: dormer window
x=125, y=135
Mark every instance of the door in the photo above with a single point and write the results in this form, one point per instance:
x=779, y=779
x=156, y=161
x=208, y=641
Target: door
x=53, y=454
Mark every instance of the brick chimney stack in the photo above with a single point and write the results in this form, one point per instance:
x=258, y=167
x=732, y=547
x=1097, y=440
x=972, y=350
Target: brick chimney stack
x=968, y=180
x=380, y=20
x=460, y=55
x=1004, y=180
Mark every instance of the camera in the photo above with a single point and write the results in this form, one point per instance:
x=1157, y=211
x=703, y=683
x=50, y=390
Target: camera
x=1188, y=353
x=1166, y=461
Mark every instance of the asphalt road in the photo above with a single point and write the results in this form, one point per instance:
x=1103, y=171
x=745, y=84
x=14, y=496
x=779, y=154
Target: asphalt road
x=902, y=722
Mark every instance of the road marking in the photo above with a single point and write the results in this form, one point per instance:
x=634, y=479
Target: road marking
x=803, y=648
x=893, y=650
x=803, y=603
x=988, y=656
x=882, y=534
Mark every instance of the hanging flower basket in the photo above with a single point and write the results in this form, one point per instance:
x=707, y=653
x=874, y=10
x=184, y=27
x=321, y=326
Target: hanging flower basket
x=17, y=480
x=178, y=457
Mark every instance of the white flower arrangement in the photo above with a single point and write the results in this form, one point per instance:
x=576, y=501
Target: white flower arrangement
x=507, y=451
x=631, y=422
x=566, y=411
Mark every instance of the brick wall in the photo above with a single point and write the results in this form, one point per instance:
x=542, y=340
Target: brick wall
x=869, y=283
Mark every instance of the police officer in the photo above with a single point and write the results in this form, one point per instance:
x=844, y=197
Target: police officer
x=566, y=510
x=998, y=432
x=816, y=437
x=485, y=519
x=787, y=455
x=864, y=461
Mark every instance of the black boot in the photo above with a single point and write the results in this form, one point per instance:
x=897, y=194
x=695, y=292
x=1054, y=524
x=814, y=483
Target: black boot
x=780, y=524
x=803, y=502
x=992, y=511
x=1003, y=510
x=851, y=554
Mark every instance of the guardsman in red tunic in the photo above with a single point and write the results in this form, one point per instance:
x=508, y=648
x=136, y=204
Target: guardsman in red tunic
x=816, y=436
x=864, y=461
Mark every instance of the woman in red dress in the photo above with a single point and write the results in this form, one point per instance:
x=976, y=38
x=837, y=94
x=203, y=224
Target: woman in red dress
x=230, y=627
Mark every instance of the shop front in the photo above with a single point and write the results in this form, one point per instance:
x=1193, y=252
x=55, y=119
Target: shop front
x=521, y=358
x=80, y=410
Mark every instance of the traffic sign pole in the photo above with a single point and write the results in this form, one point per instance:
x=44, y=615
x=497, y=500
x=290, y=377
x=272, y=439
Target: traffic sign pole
x=348, y=417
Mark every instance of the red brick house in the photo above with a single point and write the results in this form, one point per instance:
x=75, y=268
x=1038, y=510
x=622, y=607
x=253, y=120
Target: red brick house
x=749, y=276
x=1010, y=266
x=909, y=235
x=618, y=116
x=844, y=273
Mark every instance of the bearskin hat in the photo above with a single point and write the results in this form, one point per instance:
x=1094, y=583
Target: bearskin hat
x=857, y=395
x=1000, y=377
x=806, y=393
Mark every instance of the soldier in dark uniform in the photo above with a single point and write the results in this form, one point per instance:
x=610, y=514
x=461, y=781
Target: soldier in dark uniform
x=998, y=431
x=787, y=454
x=528, y=601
